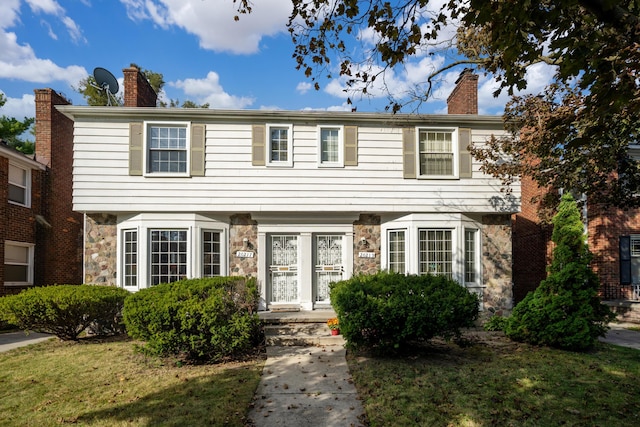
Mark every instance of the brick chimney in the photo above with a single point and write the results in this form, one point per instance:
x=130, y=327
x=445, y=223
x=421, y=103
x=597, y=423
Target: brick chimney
x=137, y=89
x=58, y=247
x=464, y=98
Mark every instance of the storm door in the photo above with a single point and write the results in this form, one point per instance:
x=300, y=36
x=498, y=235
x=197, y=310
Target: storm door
x=328, y=264
x=283, y=269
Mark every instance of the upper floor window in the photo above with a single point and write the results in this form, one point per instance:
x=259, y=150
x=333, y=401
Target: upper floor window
x=167, y=149
x=19, y=185
x=18, y=263
x=436, y=152
x=280, y=146
x=330, y=146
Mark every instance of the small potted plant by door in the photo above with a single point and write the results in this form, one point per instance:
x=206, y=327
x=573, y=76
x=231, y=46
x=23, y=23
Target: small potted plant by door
x=334, y=326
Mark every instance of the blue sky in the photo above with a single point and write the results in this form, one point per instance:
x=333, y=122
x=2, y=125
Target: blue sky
x=204, y=55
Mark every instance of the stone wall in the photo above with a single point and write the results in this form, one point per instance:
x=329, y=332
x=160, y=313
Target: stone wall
x=243, y=240
x=367, y=227
x=497, y=265
x=100, y=245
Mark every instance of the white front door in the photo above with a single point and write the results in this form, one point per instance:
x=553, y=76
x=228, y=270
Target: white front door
x=328, y=264
x=283, y=269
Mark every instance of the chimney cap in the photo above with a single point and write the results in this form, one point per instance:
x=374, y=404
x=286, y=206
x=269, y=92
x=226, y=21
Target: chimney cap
x=467, y=73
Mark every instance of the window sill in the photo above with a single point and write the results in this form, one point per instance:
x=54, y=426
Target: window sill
x=17, y=284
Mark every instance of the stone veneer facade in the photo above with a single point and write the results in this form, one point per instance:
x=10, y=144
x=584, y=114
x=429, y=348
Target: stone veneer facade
x=243, y=227
x=497, y=265
x=100, y=245
x=367, y=227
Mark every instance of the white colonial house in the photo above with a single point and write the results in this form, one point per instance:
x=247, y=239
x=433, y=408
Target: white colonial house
x=297, y=199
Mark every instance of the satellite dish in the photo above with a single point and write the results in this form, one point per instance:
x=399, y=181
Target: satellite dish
x=107, y=82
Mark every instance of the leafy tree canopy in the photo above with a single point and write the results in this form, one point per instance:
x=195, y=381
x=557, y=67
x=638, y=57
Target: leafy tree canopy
x=575, y=134
x=11, y=130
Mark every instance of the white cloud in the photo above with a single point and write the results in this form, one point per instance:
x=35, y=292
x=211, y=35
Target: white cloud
x=19, y=61
x=9, y=15
x=212, y=22
x=53, y=8
x=209, y=91
x=19, y=107
x=303, y=87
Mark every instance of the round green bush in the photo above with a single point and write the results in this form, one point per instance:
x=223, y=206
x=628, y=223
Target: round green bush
x=66, y=310
x=198, y=319
x=388, y=310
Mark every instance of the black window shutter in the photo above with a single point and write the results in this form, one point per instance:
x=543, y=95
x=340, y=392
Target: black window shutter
x=625, y=260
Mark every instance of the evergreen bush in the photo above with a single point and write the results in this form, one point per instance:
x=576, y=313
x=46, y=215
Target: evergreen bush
x=197, y=319
x=66, y=310
x=565, y=310
x=388, y=310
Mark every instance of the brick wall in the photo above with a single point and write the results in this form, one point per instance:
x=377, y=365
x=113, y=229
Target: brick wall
x=18, y=223
x=532, y=246
x=605, y=226
x=60, y=246
x=137, y=90
x=464, y=97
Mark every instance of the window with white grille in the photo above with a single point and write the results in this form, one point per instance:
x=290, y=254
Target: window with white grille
x=436, y=152
x=168, y=253
x=435, y=252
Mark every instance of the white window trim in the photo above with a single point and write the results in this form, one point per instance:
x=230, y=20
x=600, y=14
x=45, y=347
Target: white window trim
x=387, y=248
x=454, y=146
x=289, y=162
x=414, y=222
x=146, y=160
x=27, y=187
x=193, y=223
x=340, y=162
x=30, y=261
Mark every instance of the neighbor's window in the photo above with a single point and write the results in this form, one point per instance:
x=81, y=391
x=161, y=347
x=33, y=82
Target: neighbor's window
x=397, y=256
x=436, y=149
x=211, y=254
x=130, y=263
x=470, y=256
x=19, y=185
x=331, y=146
x=435, y=252
x=18, y=263
x=635, y=246
x=168, y=255
x=167, y=149
x=280, y=145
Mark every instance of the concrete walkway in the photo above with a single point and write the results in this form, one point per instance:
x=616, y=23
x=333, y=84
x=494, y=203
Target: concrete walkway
x=11, y=340
x=306, y=386
x=619, y=334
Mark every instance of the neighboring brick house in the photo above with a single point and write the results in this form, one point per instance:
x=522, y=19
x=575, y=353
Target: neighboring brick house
x=40, y=234
x=296, y=199
x=21, y=181
x=613, y=239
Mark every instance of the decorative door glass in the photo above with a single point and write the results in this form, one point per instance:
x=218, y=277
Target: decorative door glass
x=328, y=264
x=284, y=269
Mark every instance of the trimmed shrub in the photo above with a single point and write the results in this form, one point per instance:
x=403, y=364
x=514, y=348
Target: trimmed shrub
x=198, y=319
x=388, y=310
x=66, y=310
x=565, y=310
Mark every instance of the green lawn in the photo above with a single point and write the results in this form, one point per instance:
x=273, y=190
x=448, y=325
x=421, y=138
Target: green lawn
x=497, y=382
x=494, y=382
x=106, y=383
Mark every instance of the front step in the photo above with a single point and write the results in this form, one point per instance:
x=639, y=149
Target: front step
x=303, y=328
x=301, y=334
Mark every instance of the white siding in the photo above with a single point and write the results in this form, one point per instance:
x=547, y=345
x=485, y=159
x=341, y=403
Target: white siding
x=102, y=182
